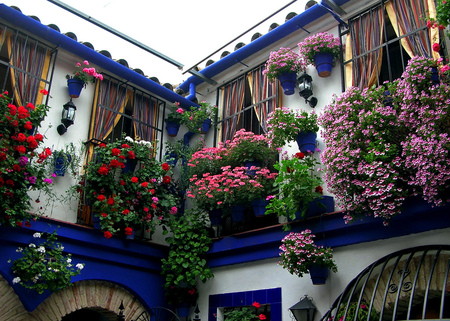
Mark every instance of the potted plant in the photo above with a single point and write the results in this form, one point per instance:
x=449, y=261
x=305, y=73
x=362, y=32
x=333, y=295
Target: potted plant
x=64, y=159
x=266, y=187
x=249, y=149
x=124, y=201
x=186, y=265
x=198, y=119
x=298, y=186
x=320, y=50
x=246, y=313
x=82, y=75
x=285, y=125
x=300, y=255
x=22, y=165
x=284, y=65
x=442, y=18
x=360, y=311
x=174, y=119
x=43, y=266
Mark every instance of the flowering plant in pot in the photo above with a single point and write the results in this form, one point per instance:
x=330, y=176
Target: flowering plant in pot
x=284, y=125
x=196, y=116
x=282, y=61
x=382, y=151
x=208, y=160
x=246, y=313
x=246, y=147
x=442, y=18
x=186, y=265
x=85, y=73
x=43, y=266
x=320, y=50
x=174, y=119
x=125, y=201
x=22, y=165
x=298, y=185
x=299, y=253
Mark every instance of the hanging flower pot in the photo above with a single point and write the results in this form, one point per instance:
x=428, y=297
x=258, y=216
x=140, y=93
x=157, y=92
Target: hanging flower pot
x=324, y=64
x=288, y=81
x=306, y=141
x=259, y=207
x=60, y=164
x=318, y=274
x=172, y=128
x=206, y=125
x=183, y=310
x=75, y=87
x=238, y=213
x=171, y=159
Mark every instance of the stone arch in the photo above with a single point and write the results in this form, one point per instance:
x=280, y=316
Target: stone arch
x=92, y=294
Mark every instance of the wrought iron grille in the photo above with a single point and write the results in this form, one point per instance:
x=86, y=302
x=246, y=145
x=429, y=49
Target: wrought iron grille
x=412, y=284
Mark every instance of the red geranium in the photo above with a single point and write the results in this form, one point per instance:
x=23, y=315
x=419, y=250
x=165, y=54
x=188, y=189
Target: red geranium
x=134, y=179
x=166, y=179
x=103, y=170
x=131, y=155
x=165, y=167
x=101, y=197
x=110, y=201
x=107, y=234
x=115, y=152
x=128, y=231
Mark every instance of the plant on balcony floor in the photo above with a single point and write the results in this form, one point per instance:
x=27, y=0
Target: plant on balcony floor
x=383, y=150
x=22, y=165
x=284, y=124
x=195, y=116
x=299, y=253
x=186, y=265
x=298, y=185
x=43, y=266
x=128, y=200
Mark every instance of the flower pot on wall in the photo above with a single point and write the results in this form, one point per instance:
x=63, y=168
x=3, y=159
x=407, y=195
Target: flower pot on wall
x=75, y=87
x=172, y=128
x=60, y=165
x=306, y=141
x=183, y=310
x=324, y=64
x=318, y=274
x=238, y=213
x=259, y=207
x=288, y=81
x=206, y=125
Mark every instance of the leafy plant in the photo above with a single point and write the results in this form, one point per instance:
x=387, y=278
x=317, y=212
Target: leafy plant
x=245, y=313
x=282, y=61
x=43, y=266
x=284, y=124
x=298, y=185
x=321, y=42
x=176, y=113
x=70, y=157
x=361, y=312
x=84, y=73
x=186, y=265
x=195, y=116
x=299, y=253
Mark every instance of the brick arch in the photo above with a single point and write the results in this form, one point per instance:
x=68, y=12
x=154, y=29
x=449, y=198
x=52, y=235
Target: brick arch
x=97, y=295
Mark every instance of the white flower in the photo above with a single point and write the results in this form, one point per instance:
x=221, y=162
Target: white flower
x=19, y=249
x=32, y=245
x=128, y=138
x=80, y=266
x=41, y=249
x=69, y=260
x=16, y=280
x=37, y=235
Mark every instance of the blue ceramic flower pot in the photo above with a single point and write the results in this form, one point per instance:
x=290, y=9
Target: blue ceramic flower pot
x=324, y=64
x=288, y=80
x=306, y=141
x=75, y=87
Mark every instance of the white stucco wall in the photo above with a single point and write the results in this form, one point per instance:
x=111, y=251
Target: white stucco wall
x=266, y=274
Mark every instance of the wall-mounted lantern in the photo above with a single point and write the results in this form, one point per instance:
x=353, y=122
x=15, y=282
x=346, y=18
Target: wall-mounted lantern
x=303, y=310
x=67, y=117
x=305, y=89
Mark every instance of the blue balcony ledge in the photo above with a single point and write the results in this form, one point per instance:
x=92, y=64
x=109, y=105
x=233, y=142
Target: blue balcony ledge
x=330, y=230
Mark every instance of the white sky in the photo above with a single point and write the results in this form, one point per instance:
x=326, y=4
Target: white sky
x=185, y=31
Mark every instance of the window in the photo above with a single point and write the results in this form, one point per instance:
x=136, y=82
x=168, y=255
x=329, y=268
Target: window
x=245, y=103
x=122, y=109
x=381, y=40
x=24, y=66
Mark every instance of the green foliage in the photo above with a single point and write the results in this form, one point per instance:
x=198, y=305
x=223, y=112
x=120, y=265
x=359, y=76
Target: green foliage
x=43, y=266
x=195, y=116
x=185, y=265
x=361, y=313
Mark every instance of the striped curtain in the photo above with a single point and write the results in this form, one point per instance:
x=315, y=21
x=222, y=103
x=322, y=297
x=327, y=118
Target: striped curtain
x=146, y=112
x=407, y=16
x=263, y=95
x=232, y=105
x=31, y=63
x=111, y=99
x=365, y=34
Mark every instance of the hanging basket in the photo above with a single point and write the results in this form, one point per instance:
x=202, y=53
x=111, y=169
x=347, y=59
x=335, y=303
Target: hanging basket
x=318, y=274
x=324, y=64
x=75, y=87
x=172, y=128
x=288, y=81
x=306, y=141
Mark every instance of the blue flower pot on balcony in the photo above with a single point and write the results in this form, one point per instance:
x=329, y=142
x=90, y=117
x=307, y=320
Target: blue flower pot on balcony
x=172, y=128
x=252, y=172
x=75, y=87
x=318, y=274
x=238, y=213
x=306, y=141
x=183, y=310
x=215, y=216
x=259, y=207
x=435, y=76
x=288, y=80
x=130, y=166
x=206, y=125
x=324, y=64
x=325, y=204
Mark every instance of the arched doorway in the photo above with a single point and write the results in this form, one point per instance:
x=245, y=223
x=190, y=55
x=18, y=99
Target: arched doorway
x=91, y=314
x=412, y=284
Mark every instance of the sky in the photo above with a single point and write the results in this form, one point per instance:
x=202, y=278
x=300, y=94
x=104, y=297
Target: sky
x=185, y=31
